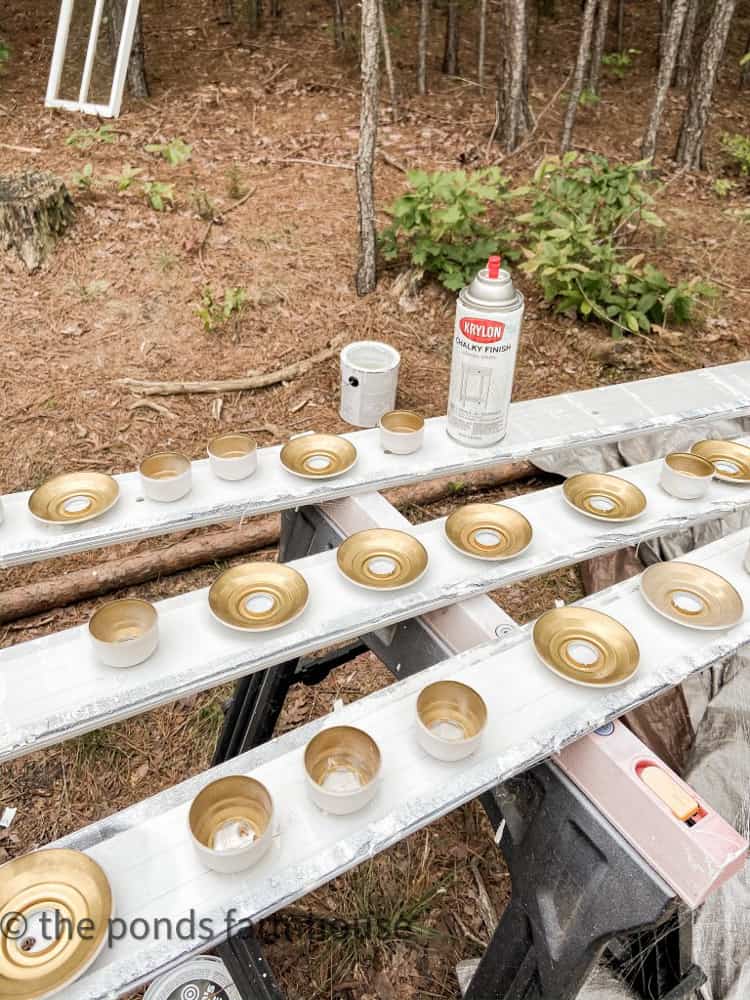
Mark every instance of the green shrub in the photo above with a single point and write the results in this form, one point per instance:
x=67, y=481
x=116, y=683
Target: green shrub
x=85, y=138
x=582, y=212
x=441, y=223
x=215, y=311
x=620, y=62
x=737, y=150
x=158, y=195
x=175, y=152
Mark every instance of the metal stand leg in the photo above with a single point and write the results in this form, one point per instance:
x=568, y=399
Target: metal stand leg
x=244, y=959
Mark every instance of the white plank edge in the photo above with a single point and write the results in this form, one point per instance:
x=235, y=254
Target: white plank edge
x=146, y=852
x=52, y=688
x=537, y=427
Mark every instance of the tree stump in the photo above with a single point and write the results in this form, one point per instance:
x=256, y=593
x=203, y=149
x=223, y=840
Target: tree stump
x=35, y=210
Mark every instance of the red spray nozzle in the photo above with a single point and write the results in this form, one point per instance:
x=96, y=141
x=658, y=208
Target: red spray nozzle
x=493, y=267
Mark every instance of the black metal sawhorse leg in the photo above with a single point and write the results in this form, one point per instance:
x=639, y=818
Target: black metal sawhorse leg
x=577, y=884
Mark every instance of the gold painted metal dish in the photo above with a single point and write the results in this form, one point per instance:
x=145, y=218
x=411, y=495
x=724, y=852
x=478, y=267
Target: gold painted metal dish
x=34, y=961
x=586, y=647
x=604, y=497
x=382, y=559
x=691, y=595
x=731, y=460
x=74, y=497
x=318, y=456
x=488, y=531
x=258, y=596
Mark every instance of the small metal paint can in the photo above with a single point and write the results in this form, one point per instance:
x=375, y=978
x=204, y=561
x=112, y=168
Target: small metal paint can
x=369, y=379
x=489, y=314
x=198, y=979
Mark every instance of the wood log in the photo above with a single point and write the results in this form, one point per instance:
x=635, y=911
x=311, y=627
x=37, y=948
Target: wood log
x=187, y=553
x=35, y=210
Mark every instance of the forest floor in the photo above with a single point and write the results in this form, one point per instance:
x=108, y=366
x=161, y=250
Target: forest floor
x=277, y=116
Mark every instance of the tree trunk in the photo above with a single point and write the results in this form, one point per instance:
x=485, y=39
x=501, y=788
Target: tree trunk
x=745, y=71
x=35, y=210
x=254, y=15
x=482, y=41
x=689, y=151
x=450, y=55
x=600, y=38
x=385, y=43
x=620, y=25
x=339, y=30
x=368, y=133
x=275, y=8
x=137, y=79
x=665, y=16
x=579, y=74
x=513, y=74
x=670, y=45
x=424, y=32
x=685, y=62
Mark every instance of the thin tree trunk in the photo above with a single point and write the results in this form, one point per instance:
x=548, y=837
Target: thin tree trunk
x=620, y=25
x=665, y=16
x=512, y=93
x=136, y=79
x=579, y=74
x=482, y=41
x=670, y=46
x=255, y=14
x=745, y=71
x=450, y=54
x=689, y=151
x=424, y=32
x=685, y=62
x=339, y=30
x=600, y=38
x=385, y=43
x=368, y=132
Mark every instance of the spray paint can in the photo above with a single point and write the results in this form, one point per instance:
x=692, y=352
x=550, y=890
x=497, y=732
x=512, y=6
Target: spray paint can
x=369, y=379
x=489, y=313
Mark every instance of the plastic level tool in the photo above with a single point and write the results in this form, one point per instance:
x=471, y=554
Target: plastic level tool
x=681, y=836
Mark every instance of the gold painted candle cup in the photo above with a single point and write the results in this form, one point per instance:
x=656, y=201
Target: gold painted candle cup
x=451, y=718
x=691, y=595
x=233, y=456
x=37, y=893
x=73, y=497
x=585, y=646
x=342, y=765
x=258, y=596
x=401, y=432
x=231, y=823
x=124, y=633
x=604, y=497
x=318, y=456
x=382, y=559
x=686, y=476
x=730, y=459
x=488, y=531
x=166, y=476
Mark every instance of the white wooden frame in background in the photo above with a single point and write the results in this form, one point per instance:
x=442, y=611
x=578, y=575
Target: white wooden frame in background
x=111, y=110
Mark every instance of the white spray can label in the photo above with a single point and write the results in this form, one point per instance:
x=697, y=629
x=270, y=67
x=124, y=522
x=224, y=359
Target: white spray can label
x=489, y=315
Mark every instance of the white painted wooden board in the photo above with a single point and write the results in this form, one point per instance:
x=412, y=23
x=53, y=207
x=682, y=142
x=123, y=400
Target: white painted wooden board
x=537, y=426
x=149, y=859
x=52, y=688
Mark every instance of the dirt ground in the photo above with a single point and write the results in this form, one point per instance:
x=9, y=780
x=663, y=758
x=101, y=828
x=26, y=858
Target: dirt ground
x=277, y=116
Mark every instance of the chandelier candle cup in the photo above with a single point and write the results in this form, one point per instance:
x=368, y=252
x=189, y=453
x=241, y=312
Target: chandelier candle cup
x=585, y=647
x=401, y=432
x=124, y=633
x=489, y=315
x=233, y=456
x=342, y=765
x=166, y=476
x=382, y=559
x=451, y=718
x=488, y=531
x=258, y=596
x=231, y=823
x=73, y=497
x=318, y=456
x=730, y=459
x=691, y=595
x=369, y=379
x=604, y=497
x=686, y=476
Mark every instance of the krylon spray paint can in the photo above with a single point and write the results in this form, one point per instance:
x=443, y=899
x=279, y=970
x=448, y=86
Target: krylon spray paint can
x=489, y=314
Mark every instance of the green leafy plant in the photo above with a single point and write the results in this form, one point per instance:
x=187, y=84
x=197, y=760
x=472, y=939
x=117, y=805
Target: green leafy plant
x=158, y=195
x=215, y=311
x=620, y=62
x=85, y=138
x=84, y=178
x=736, y=148
x=175, y=152
x=583, y=209
x=127, y=177
x=588, y=98
x=4, y=53
x=441, y=223
x=722, y=187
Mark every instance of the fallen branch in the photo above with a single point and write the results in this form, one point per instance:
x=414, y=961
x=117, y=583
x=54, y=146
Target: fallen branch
x=261, y=381
x=209, y=547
